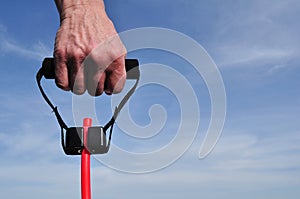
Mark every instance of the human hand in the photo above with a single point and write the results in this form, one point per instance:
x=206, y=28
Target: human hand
x=88, y=53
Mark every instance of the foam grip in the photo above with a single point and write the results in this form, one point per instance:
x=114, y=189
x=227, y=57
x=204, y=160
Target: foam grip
x=131, y=65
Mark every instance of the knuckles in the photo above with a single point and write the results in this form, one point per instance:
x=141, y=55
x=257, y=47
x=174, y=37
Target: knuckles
x=61, y=85
x=108, y=58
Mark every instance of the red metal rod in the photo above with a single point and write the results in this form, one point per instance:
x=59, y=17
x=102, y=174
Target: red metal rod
x=85, y=164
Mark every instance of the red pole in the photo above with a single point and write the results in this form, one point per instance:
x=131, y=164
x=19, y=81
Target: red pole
x=85, y=164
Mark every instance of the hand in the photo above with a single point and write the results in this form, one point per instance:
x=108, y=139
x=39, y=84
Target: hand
x=88, y=53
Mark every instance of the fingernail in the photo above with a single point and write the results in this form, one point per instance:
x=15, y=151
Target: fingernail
x=108, y=92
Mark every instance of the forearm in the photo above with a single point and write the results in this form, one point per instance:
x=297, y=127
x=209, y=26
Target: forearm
x=62, y=5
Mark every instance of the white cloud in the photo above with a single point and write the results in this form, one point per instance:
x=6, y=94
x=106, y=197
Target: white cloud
x=247, y=152
x=9, y=45
x=37, y=52
x=276, y=68
x=25, y=143
x=259, y=33
x=243, y=55
x=2, y=29
x=240, y=160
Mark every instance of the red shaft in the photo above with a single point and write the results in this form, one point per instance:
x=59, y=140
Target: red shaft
x=85, y=164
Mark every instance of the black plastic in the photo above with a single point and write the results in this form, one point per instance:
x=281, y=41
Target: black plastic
x=132, y=68
x=96, y=140
x=74, y=141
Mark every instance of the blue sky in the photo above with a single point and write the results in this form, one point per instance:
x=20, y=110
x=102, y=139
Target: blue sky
x=255, y=45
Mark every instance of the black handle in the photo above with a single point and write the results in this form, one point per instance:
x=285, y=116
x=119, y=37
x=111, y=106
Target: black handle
x=49, y=73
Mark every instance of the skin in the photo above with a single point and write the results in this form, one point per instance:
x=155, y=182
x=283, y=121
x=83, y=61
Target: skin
x=88, y=53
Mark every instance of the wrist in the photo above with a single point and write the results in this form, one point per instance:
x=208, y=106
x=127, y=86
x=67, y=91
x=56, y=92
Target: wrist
x=68, y=6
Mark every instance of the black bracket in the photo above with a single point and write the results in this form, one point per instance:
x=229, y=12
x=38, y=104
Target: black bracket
x=96, y=142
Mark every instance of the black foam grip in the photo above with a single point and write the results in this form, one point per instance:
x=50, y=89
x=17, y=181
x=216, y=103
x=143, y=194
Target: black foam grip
x=48, y=68
x=49, y=71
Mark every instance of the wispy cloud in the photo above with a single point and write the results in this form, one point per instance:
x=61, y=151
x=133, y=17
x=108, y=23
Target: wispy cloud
x=239, y=160
x=248, y=152
x=259, y=33
x=9, y=45
x=243, y=55
x=2, y=28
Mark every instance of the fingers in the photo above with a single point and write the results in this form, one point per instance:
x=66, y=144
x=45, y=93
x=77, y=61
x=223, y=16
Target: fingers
x=95, y=78
x=76, y=75
x=61, y=73
x=105, y=67
x=70, y=74
x=109, y=79
x=115, y=77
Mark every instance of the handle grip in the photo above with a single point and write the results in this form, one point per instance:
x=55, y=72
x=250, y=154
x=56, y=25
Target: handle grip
x=49, y=69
